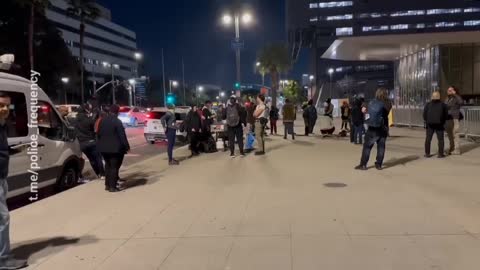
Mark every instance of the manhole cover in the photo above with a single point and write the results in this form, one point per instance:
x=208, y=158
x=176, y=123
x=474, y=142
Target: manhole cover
x=335, y=185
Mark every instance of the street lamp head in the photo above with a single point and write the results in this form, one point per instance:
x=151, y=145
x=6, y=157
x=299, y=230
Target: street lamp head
x=200, y=88
x=312, y=77
x=227, y=19
x=132, y=81
x=258, y=64
x=115, y=66
x=65, y=80
x=138, y=56
x=218, y=97
x=331, y=71
x=222, y=94
x=174, y=83
x=247, y=18
x=105, y=64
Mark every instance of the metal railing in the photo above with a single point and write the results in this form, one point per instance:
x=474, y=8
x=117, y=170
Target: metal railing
x=471, y=122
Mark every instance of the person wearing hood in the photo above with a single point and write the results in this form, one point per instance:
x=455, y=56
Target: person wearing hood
x=85, y=128
x=435, y=115
x=194, y=128
x=169, y=123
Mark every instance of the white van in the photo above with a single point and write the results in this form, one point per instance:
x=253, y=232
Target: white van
x=154, y=130
x=49, y=146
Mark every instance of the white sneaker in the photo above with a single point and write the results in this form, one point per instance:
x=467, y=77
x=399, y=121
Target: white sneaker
x=102, y=178
x=83, y=180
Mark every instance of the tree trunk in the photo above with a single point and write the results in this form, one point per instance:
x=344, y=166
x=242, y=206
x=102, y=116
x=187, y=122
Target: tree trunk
x=82, y=37
x=274, y=74
x=31, y=29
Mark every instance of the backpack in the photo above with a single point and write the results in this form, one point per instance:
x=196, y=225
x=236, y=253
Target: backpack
x=233, y=116
x=375, y=111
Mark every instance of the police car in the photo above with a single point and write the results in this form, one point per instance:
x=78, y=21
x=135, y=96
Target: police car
x=154, y=130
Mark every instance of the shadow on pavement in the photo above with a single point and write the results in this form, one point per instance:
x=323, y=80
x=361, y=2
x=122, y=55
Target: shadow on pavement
x=400, y=161
x=44, y=247
x=303, y=143
x=470, y=147
x=140, y=179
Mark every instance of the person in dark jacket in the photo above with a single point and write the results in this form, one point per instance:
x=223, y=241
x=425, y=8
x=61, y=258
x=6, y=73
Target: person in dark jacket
x=209, y=118
x=113, y=144
x=358, y=121
x=310, y=116
x=274, y=116
x=346, y=115
x=6, y=259
x=194, y=129
x=289, y=116
x=454, y=104
x=85, y=128
x=435, y=115
x=169, y=123
x=235, y=116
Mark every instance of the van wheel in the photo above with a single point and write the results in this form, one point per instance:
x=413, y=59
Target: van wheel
x=68, y=179
x=152, y=142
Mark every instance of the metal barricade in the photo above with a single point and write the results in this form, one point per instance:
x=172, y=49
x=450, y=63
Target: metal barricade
x=411, y=117
x=471, y=123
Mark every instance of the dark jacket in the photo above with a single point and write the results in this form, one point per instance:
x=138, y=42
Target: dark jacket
x=250, y=110
x=435, y=113
x=242, y=112
x=454, y=103
x=84, y=127
x=4, y=154
x=358, y=118
x=169, y=120
x=289, y=113
x=310, y=114
x=193, y=121
x=274, y=113
x=346, y=112
x=111, y=136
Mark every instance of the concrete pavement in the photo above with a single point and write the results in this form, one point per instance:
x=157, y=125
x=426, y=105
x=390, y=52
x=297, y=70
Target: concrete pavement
x=300, y=207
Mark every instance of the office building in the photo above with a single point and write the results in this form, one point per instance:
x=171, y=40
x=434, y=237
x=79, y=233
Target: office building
x=108, y=46
x=424, y=45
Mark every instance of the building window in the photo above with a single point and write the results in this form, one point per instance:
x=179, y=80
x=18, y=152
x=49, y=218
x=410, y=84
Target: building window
x=314, y=19
x=446, y=24
x=340, y=17
x=471, y=10
x=408, y=13
x=345, y=31
x=472, y=23
x=375, y=28
x=444, y=11
x=335, y=4
x=372, y=15
x=399, y=27
x=420, y=25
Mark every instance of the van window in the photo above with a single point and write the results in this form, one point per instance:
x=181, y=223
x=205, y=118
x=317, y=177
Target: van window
x=17, y=121
x=49, y=123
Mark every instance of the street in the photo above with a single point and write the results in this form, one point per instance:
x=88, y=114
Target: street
x=140, y=151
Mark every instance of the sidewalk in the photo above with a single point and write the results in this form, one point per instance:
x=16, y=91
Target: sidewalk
x=300, y=207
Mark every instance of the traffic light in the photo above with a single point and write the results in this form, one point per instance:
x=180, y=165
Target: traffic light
x=171, y=99
x=238, y=86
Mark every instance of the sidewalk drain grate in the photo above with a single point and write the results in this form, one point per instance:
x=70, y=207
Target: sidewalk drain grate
x=335, y=185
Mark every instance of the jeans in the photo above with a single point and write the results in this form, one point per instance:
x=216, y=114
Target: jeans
x=4, y=221
x=260, y=136
x=194, y=140
x=453, y=129
x=273, y=125
x=374, y=136
x=346, y=124
x=431, y=129
x=357, y=132
x=289, y=129
x=171, y=136
x=95, y=158
x=113, y=162
x=235, y=133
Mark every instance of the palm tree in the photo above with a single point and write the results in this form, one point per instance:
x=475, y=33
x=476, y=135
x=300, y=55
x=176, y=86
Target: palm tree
x=35, y=6
x=83, y=10
x=275, y=59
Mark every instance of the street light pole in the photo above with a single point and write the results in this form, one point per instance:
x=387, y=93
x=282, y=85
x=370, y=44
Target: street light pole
x=237, y=39
x=113, y=86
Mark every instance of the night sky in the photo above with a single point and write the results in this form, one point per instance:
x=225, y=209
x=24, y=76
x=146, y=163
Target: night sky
x=193, y=29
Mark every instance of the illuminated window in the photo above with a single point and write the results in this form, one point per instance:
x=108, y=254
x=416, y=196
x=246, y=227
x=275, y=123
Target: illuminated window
x=344, y=31
x=335, y=4
x=399, y=27
x=444, y=11
x=340, y=17
x=375, y=28
x=313, y=5
x=471, y=10
x=420, y=25
x=408, y=13
x=314, y=19
x=446, y=24
x=471, y=23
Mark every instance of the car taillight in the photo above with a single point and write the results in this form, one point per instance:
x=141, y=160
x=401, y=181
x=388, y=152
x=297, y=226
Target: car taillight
x=148, y=115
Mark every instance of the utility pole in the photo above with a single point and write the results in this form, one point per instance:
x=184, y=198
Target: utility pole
x=113, y=87
x=237, y=39
x=183, y=82
x=164, y=83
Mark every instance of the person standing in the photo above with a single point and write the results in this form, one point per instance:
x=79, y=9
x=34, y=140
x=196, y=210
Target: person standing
x=310, y=116
x=346, y=114
x=113, y=145
x=6, y=259
x=358, y=121
x=377, y=133
x=454, y=103
x=260, y=122
x=169, y=123
x=194, y=129
x=329, y=107
x=220, y=113
x=209, y=118
x=85, y=128
x=435, y=115
x=250, y=129
x=289, y=116
x=236, y=120
x=273, y=120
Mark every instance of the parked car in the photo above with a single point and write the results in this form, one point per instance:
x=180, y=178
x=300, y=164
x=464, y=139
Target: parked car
x=133, y=116
x=58, y=158
x=154, y=131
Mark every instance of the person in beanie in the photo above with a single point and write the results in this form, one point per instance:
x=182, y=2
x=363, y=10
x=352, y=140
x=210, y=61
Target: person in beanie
x=169, y=123
x=289, y=117
x=6, y=259
x=435, y=115
x=236, y=120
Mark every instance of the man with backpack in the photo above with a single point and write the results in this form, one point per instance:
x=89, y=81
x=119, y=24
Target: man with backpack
x=377, y=121
x=435, y=115
x=236, y=120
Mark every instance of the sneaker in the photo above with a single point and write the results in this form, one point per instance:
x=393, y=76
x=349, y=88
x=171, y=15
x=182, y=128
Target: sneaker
x=13, y=264
x=173, y=163
x=102, y=178
x=361, y=168
x=114, y=190
x=82, y=181
x=427, y=156
x=378, y=167
x=441, y=156
x=233, y=156
x=242, y=154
